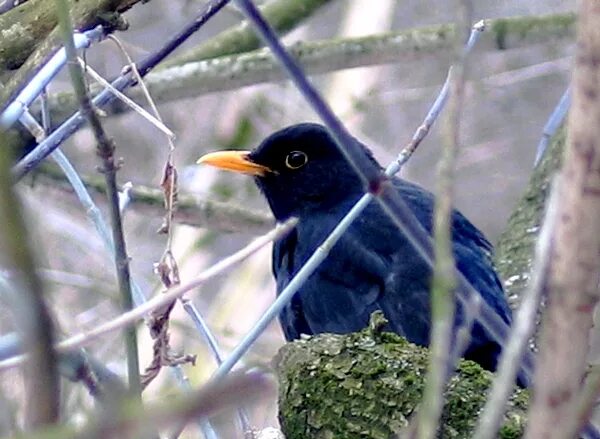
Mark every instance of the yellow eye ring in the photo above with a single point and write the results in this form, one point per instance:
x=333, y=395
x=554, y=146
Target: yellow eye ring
x=296, y=159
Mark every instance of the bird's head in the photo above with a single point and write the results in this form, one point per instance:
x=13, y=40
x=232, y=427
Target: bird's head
x=299, y=169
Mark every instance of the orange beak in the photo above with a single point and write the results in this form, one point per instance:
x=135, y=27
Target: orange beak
x=236, y=161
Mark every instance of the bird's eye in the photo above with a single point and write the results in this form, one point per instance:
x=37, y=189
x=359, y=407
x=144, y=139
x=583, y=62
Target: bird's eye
x=296, y=159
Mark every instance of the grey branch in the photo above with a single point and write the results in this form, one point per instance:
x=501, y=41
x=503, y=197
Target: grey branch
x=191, y=210
x=317, y=57
x=283, y=15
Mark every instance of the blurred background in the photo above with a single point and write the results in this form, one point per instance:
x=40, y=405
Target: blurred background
x=509, y=96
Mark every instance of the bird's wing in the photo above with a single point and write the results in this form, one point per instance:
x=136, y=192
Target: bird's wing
x=293, y=322
x=343, y=291
x=472, y=251
x=405, y=299
x=374, y=267
x=473, y=257
x=404, y=276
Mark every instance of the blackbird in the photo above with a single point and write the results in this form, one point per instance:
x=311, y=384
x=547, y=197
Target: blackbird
x=372, y=267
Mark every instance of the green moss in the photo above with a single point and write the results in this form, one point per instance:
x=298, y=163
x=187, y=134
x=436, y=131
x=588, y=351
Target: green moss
x=369, y=384
x=521, y=28
x=282, y=15
x=515, y=248
x=28, y=35
x=21, y=28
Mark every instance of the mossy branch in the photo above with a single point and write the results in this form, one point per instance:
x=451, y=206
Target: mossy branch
x=191, y=210
x=514, y=252
x=370, y=384
x=27, y=26
x=231, y=72
x=30, y=35
x=26, y=29
x=283, y=15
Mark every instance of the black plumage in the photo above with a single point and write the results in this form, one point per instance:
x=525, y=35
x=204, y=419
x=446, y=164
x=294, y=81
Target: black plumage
x=302, y=173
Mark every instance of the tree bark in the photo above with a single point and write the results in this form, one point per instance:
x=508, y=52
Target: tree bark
x=574, y=267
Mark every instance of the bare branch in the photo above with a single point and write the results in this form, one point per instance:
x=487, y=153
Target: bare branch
x=105, y=150
x=134, y=420
x=224, y=73
x=284, y=15
x=32, y=317
x=575, y=256
x=524, y=325
x=30, y=35
x=191, y=210
x=444, y=279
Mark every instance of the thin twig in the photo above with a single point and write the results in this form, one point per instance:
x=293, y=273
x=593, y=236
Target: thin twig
x=105, y=150
x=444, y=280
x=131, y=317
x=96, y=217
x=124, y=81
x=127, y=101
x=553, y=124
x=191, y=210
x=284, y=15
x=204, y=330
x=522, y=329
x=167, y=267
x=74, y=365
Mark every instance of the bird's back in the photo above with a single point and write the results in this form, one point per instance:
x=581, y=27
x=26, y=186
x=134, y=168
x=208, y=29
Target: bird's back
x=373, y=267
